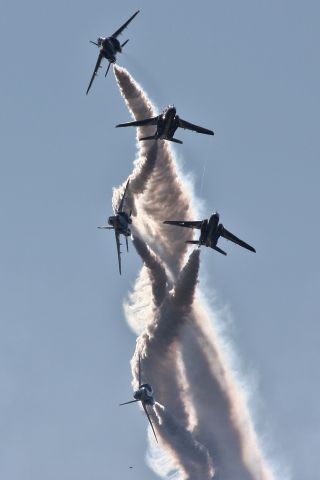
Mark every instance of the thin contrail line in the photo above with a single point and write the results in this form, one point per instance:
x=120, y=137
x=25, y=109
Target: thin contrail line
x=203, y=172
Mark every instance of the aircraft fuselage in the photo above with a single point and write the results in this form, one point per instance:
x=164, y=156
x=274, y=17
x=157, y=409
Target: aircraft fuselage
x=145, y=394
x=167, y=123
x=210, y=232
x=109, y=48
x=121, y=222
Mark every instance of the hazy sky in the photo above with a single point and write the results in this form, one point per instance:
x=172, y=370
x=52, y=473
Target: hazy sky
x=249, y=70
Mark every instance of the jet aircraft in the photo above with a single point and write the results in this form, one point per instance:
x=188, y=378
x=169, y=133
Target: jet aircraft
x=210, y=232
x=120, y=223
x=144, y=394
x=109, y=47
x=167, y=123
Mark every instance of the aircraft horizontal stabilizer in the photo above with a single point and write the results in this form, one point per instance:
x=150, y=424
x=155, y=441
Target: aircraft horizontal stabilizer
x=219, y=250
x=175, y=140
x=194, y=242
x=127, y=403
x=152, y=137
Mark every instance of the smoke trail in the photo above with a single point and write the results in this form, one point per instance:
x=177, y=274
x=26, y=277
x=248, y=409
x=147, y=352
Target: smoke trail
x=223, y=438
x=164, y=195
x=223, y=427
x=143, y=169
x=186, y=453
x=158, y=343
x=231, y=433
x=156, y=270
x=140, y=304
x=197, y=463
x=215, y=428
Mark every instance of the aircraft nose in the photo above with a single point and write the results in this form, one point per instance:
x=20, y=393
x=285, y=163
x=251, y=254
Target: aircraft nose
x=216, y=216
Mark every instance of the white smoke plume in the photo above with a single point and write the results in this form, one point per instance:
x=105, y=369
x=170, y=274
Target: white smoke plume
x=159, y=342
x=195, y=459
x=164, y=196
x=205, y=426
x=157, y=273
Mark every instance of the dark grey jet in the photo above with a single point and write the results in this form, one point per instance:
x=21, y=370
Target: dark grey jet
x=167, y=123
x=144, y=394
x=109, y=47
x=120, y=223
x=210, y=232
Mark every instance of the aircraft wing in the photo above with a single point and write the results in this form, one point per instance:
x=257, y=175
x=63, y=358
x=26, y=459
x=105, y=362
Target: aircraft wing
x=120, y=208
x=120, y=30
x=229, y=236
x=195, y=128
x=140, y=123
x=118, y=249
x=181, y=223
x=151, y=424
x=96, y=68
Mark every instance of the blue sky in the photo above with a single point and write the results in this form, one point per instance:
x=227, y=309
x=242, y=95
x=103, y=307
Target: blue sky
x=249, y=70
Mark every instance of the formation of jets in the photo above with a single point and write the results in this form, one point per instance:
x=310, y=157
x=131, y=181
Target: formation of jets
x=166, y=125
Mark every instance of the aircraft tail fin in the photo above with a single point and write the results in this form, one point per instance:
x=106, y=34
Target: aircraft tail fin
x=152, y=137
x=175, y=140
x=219, y=250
